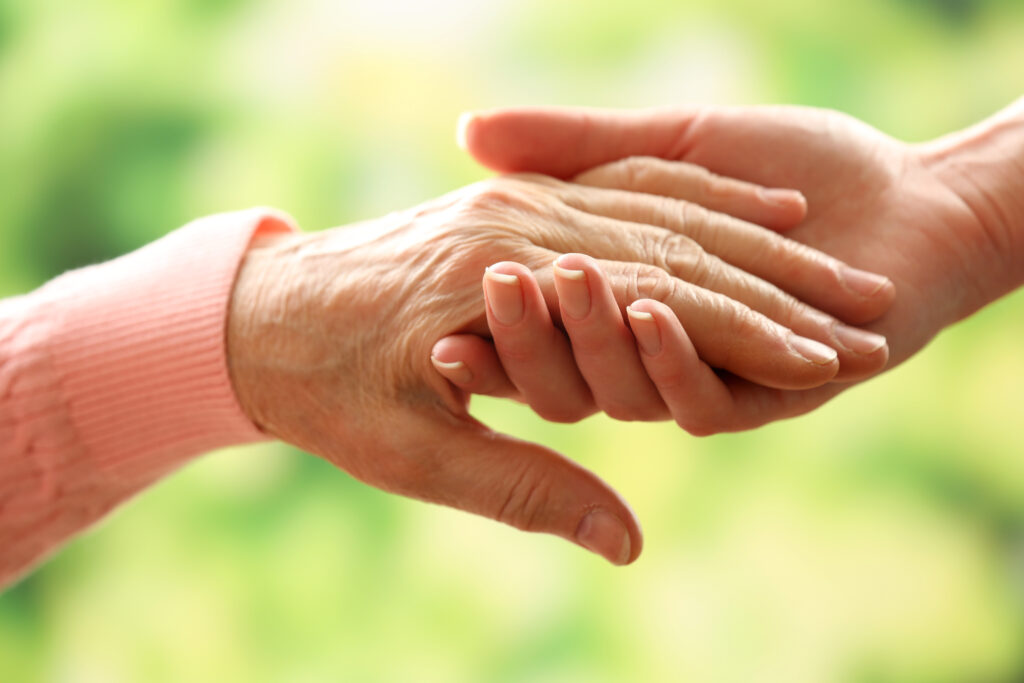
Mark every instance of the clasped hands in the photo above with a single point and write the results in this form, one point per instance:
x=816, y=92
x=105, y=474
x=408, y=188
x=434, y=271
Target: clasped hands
x=639, y=264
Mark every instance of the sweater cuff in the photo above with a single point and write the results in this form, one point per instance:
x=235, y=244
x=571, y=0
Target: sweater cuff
x=139, y=349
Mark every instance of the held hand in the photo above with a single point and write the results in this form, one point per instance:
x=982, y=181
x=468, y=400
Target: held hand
x=604, y=369
x=330, y=333
x=910, y=212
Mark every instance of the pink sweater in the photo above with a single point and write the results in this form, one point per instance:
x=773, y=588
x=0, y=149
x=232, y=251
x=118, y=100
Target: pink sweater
x=114, y=375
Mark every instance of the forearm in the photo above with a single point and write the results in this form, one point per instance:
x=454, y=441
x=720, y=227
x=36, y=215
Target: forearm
x=113, y=376
x=984, y=165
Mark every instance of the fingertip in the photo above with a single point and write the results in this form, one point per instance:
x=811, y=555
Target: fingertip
x=883, y=299
x=606, y=534
x=786, y=208
x=655, y=314
x=503, y=140
x=861, y=342
x=866, y=353
x=462, y=126
x=821, y=358
x=634, y=529
x=508, y=268
x=576, y=266
x=455, y=371
x=636, y=532
x=870, y=294
x=651, y=307
x=864, y=283
x=575, y=262
x=448, y=349
x=575, y=293
x=634, y=312
x=813, y=351
x=801, y=204
x=645, y=328
x=471, y=363
x=486, y=148
x=504, y=295
x=887, y=292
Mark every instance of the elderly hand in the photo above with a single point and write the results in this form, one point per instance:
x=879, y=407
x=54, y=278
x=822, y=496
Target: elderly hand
x=944, y=220
x=330, y=333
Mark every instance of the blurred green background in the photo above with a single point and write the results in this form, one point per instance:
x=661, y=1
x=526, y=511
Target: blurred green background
x=879, y=539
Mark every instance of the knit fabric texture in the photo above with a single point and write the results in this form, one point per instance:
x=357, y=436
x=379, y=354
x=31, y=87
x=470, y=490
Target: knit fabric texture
x=113, y=376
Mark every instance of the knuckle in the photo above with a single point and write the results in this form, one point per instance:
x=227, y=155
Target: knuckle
x=527, y=496
x=703, y=180
x=784, y=308
x=716, y=188
x=785, y=255
x=679, y=254
x=695, y=265
x=633, y=172
x=487, y=195
x=664, y=244
x=791, y=260
x=500, y=196
x=670, y=378
x=696, y=220
x=789, y=310
x=651, y=282
x=500, y=208
x=738, y=318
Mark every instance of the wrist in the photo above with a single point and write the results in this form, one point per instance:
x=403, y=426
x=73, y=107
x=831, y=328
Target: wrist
x=256, y=314
x=241, y=337
x=984, y=167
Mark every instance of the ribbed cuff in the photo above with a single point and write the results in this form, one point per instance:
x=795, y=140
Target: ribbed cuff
x=139, y=347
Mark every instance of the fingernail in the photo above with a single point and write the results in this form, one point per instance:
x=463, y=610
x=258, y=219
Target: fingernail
x=460, y=128
x=779, y=197
x=816, y=352
x=858, y=340
x=505, y=296
x=573, y=292
x=861, y=282
x=602, y=532
x=456, y=372
x=645, y=329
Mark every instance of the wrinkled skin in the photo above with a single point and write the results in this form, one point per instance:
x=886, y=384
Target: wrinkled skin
x=329, y=340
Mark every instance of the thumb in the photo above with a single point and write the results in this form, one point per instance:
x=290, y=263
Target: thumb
x=562, y=142
x=468, y=466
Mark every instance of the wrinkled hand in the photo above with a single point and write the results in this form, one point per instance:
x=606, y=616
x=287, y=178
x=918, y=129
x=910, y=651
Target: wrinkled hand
x=925, y=215
x=330, y=333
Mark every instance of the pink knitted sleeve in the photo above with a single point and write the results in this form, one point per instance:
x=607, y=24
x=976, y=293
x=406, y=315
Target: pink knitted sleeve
x=114, y=375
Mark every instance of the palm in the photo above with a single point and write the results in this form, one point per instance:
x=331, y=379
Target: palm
x=872, y=202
